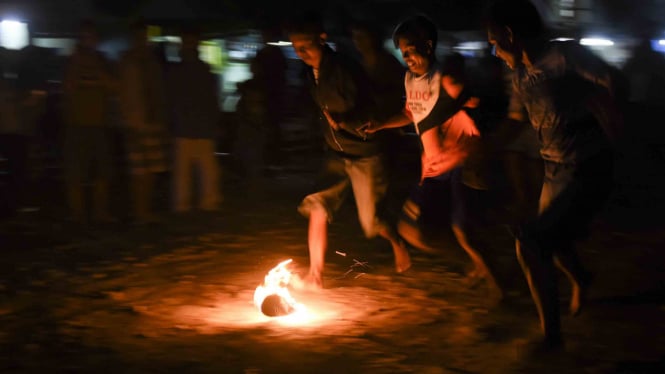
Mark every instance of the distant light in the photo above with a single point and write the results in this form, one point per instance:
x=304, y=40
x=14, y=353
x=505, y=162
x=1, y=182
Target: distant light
x=471, y=46
x=280, y=43
x=596, y=42
x=658, y=45
x=562, y=39
x=241, y=55
x=14, y=34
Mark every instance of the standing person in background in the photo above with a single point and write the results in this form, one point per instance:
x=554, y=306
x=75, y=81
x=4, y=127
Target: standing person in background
x=143, y=108
x=569, y=96
x=87, y=88
x=193, y=102
x=354, y=160
x=435, y=99
x=269, y=73
x=33, y=67
x=13, y=147
x=252, y=116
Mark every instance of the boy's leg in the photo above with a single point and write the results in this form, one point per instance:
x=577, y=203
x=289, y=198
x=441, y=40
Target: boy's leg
x=567, y=260
x=539, y=271
x=74, y=172
x=369, y=183
x=481, y=270
x=103, y=174
x=465, y=205
x=317, y=241
x=318, y=209
x=181, y=175
x=210, y=173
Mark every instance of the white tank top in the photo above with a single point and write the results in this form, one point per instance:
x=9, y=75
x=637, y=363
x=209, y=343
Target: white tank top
x=422, y=94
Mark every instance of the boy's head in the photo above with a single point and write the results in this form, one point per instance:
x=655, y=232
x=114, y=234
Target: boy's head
x=416, y=38
x=308, y=38
x=509, y=24
x=88, y=35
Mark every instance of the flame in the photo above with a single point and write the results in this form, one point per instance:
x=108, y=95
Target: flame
x=276, y=283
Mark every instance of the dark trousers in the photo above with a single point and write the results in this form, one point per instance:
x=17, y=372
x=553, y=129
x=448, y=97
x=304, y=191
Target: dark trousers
x=571, y=196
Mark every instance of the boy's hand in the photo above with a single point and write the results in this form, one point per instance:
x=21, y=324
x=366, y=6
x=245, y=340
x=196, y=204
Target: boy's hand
x=371, y=127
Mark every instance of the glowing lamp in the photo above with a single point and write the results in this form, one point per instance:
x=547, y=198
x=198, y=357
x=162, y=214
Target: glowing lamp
x=596, y=42
x=14, y=34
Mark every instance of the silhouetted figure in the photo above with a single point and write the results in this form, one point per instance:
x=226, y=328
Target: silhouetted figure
x=567, y=92
x=194, y=109
x=645, y=71
x=269, y=68
x=87, y=88
x=142, y=105
x=13, y=147
x=252, y=118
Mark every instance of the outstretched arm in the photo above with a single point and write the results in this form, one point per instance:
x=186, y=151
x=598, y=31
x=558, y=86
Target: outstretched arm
x=399, y=120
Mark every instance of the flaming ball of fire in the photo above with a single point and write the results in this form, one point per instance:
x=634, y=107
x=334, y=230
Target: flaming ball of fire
x=272, y=297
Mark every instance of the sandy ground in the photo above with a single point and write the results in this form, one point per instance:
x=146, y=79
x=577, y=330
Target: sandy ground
x=177, y=297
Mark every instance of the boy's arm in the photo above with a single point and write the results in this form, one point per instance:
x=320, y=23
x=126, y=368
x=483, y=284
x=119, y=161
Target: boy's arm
x=461, y=139
x=400, y=119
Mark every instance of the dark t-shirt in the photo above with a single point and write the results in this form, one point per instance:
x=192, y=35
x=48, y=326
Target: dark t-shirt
x=555, y=92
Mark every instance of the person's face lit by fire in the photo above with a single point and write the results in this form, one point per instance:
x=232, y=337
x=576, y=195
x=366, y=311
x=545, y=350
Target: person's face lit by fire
x=504, y=46
x=309, y=48
x=416, y=56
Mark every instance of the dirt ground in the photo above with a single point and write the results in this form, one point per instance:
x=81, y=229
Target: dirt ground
x=177, y=297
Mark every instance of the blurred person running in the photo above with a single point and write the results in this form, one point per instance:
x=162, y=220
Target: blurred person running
x=355, y=162
x=435, y=101
x=568, y=95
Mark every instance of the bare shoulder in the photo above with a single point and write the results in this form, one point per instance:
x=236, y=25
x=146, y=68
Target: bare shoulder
x=452, y=86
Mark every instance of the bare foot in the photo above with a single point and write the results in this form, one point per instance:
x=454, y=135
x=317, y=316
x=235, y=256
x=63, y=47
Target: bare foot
x=575, y=301
x=414, y=237
x=473, y=278
x=307, y=283
x=578, y=295
x=480, y=273
x=402, y=257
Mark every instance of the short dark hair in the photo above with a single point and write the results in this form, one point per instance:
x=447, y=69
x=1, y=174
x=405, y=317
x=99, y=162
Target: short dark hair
x=417, y=29
x=307, y=23
x=521, y=16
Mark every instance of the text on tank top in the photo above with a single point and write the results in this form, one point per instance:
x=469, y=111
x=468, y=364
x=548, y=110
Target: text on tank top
x=430, y=106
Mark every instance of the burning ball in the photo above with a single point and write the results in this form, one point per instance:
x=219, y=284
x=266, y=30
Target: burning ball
x=276, y=306
x=272, y=298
